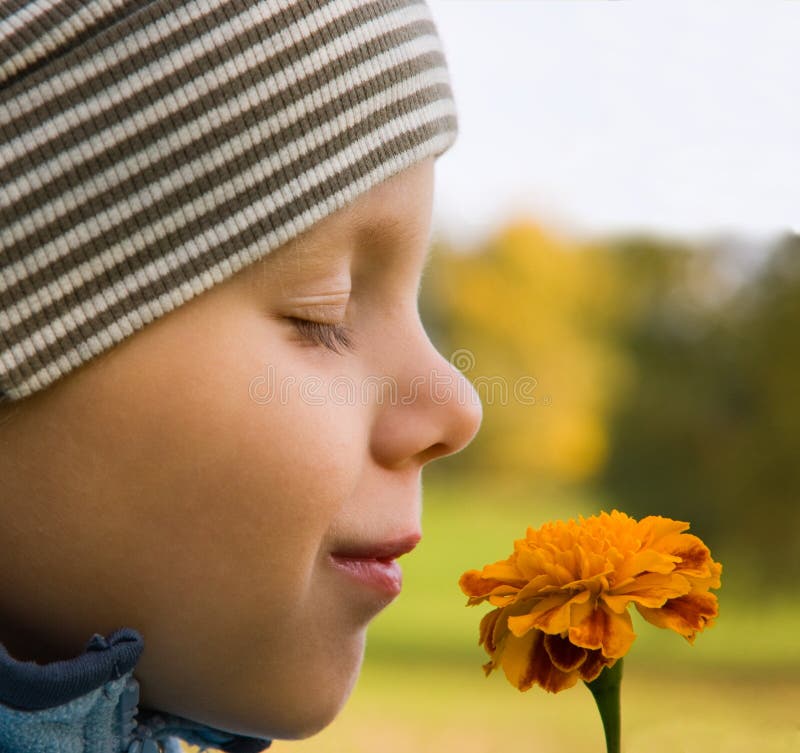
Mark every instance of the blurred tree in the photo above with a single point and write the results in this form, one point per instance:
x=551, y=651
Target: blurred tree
x=669, y=419
x=765, y=450
x=527, y=316
x=709, y=430
x=634, y=366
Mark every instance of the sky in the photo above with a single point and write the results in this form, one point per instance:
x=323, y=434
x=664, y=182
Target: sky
x=664, y=116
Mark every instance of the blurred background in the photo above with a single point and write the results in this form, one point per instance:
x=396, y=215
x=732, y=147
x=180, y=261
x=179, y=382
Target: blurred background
x=616, y=267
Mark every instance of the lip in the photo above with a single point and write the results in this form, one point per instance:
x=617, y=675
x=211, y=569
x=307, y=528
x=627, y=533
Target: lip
x=373, y=564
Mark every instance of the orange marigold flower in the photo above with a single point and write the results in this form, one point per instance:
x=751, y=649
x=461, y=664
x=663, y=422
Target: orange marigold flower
x=562, y=597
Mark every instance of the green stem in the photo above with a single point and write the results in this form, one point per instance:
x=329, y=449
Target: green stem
x=605, y=689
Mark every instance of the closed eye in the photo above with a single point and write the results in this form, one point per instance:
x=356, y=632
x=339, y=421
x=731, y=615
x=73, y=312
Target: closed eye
x=332, y=336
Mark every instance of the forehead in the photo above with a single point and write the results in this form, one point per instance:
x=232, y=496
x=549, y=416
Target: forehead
x=397, y=210
x=395, y=214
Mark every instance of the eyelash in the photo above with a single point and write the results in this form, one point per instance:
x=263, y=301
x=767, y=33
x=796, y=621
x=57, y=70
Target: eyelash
x=330, y=336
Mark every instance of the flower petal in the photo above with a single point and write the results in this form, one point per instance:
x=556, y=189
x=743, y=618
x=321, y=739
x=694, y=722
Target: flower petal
x=655, y=528
x=478, y=588
x=606, y=630
x=686, y=615
x=552, y=610
x=650, y=590
x=539, y=584
x=500, y=596
x=526, y=663
x=647, y=560
x=486, y=629
x=565, y=656
x=517, y=658
x=595, y=663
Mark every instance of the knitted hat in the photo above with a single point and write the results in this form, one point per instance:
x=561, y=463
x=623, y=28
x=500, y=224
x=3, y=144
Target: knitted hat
x=150, y=149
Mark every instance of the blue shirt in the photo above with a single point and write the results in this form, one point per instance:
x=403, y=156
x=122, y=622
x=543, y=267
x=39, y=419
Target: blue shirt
x=89, y=704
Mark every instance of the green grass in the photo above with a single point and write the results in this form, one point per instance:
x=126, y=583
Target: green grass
x=422, y=689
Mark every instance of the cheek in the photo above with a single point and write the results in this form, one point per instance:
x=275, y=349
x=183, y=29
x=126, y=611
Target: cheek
x=252, y=485
x=255, y=476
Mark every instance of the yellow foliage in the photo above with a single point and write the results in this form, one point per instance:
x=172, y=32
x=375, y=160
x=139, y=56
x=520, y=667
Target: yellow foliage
x=535, y=310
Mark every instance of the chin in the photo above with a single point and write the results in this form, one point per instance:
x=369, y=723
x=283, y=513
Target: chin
x=308, y=703
x=321, y=707
x=310, y=723
x=303, y=719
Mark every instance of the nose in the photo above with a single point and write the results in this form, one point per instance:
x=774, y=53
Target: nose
x=437, y=410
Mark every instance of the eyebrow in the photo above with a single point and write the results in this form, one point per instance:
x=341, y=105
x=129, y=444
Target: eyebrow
x=396, y=229
x=393, y=226
x=403, y=234
x=386, y=230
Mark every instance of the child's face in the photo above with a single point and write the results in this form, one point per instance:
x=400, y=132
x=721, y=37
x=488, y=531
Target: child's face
x=193, y=482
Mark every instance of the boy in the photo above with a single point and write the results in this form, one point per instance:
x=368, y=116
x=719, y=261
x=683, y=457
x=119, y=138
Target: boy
x=213, y=223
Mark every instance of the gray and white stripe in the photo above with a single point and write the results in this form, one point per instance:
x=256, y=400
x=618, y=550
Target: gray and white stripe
x=149, y=150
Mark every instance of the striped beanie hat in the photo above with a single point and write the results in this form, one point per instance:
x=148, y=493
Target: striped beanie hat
x=150, y=149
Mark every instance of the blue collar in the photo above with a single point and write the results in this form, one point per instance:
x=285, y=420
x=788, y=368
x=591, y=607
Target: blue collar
x=90, y=704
